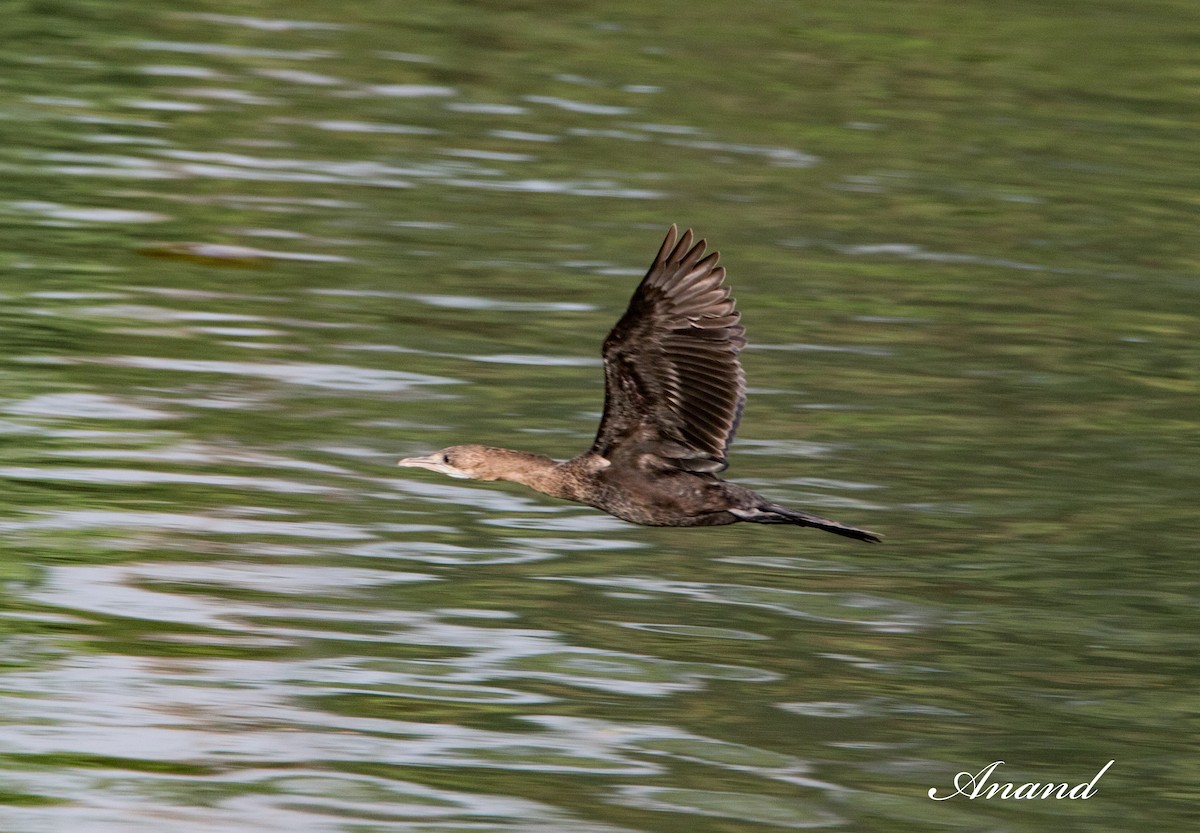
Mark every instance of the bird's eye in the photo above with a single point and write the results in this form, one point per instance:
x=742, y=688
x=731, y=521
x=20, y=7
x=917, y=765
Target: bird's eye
x=446, y=458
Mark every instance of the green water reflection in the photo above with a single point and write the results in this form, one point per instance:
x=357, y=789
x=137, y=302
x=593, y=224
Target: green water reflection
x=252, y=255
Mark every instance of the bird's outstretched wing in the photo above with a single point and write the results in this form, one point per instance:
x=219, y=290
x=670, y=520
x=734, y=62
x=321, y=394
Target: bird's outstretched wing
x=673, y=385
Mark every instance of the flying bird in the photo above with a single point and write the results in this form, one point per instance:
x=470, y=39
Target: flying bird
x=674, y=391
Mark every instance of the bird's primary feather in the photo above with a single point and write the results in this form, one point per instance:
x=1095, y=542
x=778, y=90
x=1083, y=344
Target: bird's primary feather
x=673, y=384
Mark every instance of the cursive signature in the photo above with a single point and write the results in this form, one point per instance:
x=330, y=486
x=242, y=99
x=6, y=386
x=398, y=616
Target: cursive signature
x=975, y=785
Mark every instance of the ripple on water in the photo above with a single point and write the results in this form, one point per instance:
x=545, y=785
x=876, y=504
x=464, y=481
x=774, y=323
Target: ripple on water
x=273, y=24
x=473, y=302
x=300, y=799
x=523, y=136
x=574, y=106
x=179, y=71
x=378, y=680
x=909, y=251
x=164, y=105
x=180, y=164
x=535, y=361
x=81, y=519
x=800, y=347
x=157, y=592
x=583, y=522
x=874, y=707
x=696, y=631
x=543, y=660
x=822, y=498
x=236, y=255
x=288, y=579
x=83, y=406
x=623, y=673
x=506, y=551
x=141, y=477
x=59, y=212
x=150, y=312
x=670, y=742
x=489, y=155
x=435, y=553
x=781, y=562
x=200, y=453
x=152, y=709
x=230, y=51
x=579, y=188
x=332, y=376
x=484, y=499
x=461, y=301
x=298, y=76
x=745, y=807
x=486, y=108
x=409, y=90
x=349, y=126
x=779, y=156
x=784, y=448
x=875, y=612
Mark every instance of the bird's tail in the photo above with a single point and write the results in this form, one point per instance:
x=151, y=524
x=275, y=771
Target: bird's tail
x=773, y=513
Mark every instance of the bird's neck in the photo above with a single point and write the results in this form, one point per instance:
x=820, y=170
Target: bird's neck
x=537, y=471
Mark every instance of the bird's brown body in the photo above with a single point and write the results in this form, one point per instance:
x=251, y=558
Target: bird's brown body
x=674, y=392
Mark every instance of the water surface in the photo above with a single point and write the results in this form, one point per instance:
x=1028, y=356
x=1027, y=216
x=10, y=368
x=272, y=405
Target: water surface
x=251, y=260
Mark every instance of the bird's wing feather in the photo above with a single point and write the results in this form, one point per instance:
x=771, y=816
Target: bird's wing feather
x=673, y=384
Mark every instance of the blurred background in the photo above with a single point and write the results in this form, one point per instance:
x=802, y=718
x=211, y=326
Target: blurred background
x=254, y=252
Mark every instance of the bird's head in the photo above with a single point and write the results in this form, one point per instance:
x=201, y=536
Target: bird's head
x=474, y=462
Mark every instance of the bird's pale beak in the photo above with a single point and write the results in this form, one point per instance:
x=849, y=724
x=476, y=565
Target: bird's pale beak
x=433, y=462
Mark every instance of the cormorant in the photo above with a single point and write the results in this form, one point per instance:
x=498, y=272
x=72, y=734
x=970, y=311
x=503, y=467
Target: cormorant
x=674, y=392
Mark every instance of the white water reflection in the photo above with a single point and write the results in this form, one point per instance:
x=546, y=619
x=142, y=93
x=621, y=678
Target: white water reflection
x=535, y=361
x=781, y=157
x=203, y=454
x=669, y=742
x=229, y=51
x=824, y=348
x=186, y=711
x=288, y=593
x=83, y=406
x=348, y=126
x=155, y=800
x=183, y=709
x=209, y=165
x=436, y=553
x=224, y=251
x=331, y=376
x=409, y=90
x=581, y=188
x=783, y=448
x=298, y=76
x=573, y=106
x=874, y=612
x=486, y=108
x=478, y=497
x=100, y=519
x=178, y=71
x=59, y=212
x=273, y=24
x=910, y=251
x=696, y=631
x=746, y=808
x=460, y=301
x=474, y=302
x=129, y=590
x=164, y=105
x=140, y=477
x=314, y=800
